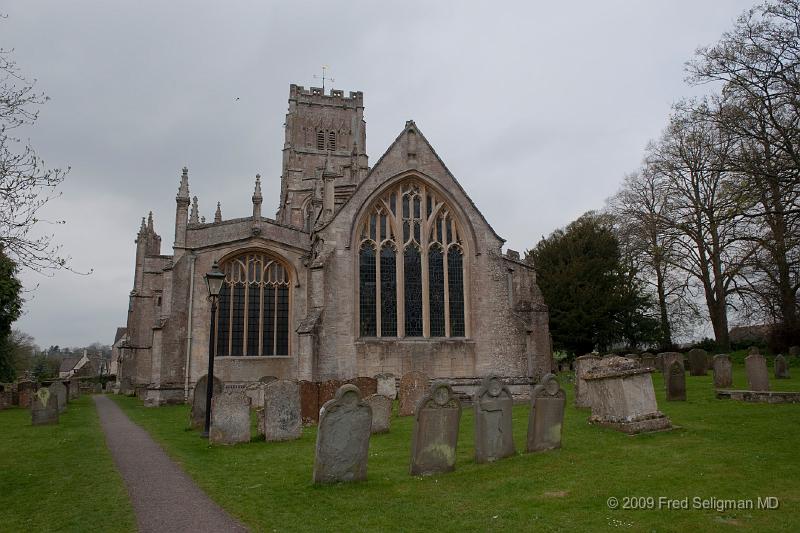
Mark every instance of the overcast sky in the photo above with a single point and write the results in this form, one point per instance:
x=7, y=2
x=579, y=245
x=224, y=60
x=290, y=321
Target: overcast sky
x=538, y=109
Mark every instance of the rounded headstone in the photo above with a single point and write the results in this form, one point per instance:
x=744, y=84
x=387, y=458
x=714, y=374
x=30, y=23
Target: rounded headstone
x=435, y=434
x=494, y=438
x=546, y=418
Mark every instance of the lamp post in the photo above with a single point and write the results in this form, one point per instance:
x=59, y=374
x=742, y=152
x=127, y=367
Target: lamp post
x=214, y=280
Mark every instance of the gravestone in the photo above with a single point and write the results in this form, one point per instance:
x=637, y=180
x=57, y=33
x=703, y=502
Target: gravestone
x=387, y=385
x=255, y=394
x=60, y=392
x=74, y=389
x=413, y=387
x=435, y=434
x=781, y=367
x=494, y=437
x=282, y=418
x=309, y=402
x=755, y=366
x=343, y=438
x=648, y=360
x=667, y=359
x=723, y=371
x=698, y=359
x=675, y=382
x=230, y=418
x=367, y=386
x=546, y=418
x=26, y=391
x=582, y=365
x=197, y=415
x=6, y=396
x=794, y=351
x=381, y=412
x=328, y=390
x=44, y=407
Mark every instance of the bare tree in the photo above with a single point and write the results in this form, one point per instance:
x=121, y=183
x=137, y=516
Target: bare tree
x=26, y=183
x=758, y=63
x=692, y=157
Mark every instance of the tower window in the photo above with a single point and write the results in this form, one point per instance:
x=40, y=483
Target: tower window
x=320, y=140
x=331, y=140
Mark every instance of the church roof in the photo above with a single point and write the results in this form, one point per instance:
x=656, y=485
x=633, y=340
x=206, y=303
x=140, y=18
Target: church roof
x=410, y=124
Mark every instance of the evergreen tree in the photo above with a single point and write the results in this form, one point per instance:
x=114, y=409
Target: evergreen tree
x=10, y=308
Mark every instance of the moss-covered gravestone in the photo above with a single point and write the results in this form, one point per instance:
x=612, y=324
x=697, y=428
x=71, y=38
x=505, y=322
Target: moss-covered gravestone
x=282, y=419
x=435, y=434
x=230, y=418
x=494, y=437
x=44, y=407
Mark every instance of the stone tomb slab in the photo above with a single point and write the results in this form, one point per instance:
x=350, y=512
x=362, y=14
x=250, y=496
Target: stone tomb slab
x=582, y=365
x=282, y=417
x=698, y=359
x=413, y=387
x=755, y=367
x=494, y=437
x=197, y=415
x=44, y=407
x=781, y=367
x=723, y=371
x=381, y=412
x=759, y=396
x=625, y=399
x=342, y=445
x=546, y=418
x=435, y=434
x=230, y=418
x=675, y=382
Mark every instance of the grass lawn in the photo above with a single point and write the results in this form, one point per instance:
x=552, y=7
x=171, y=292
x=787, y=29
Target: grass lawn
x=724, y=450
x=60, y=478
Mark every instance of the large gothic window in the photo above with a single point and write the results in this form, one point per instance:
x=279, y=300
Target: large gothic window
x=411, y=266
x=253, y=310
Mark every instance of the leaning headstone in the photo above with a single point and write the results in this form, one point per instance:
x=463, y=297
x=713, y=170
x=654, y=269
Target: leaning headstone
x=781, y=368
x=381, y=412
x=546, y=417
x=675, y=382
x=435, y=434
x=494, y=437
x=26, y=390
x=44, y=407
x=309, y=402
x=387, y=385
x=413, y=387
x=282, y=419
x=723, y=371
x=197, y=416
x=697, y=362
x=58, y=390
x=343, y=438
x=230, y=418
x=755, y=366
x=582, y=365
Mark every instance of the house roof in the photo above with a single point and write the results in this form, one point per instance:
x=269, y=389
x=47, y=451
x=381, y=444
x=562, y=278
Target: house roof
x=68, y=363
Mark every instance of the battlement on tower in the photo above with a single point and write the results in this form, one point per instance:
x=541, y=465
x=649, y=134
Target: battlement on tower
x=316, y=95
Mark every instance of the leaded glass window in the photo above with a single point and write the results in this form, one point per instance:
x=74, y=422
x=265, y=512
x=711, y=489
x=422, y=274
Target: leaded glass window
x=420, y=259
x=253, y=311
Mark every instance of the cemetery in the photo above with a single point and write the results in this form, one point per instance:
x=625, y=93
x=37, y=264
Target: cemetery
x=490, y=461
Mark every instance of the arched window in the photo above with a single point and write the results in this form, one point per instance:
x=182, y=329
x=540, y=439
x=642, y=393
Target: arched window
x=320, y=140
x=411, y=266
x=331, y=140
x=253, y=311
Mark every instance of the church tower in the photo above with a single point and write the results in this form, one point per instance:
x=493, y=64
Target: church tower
x=325, y=148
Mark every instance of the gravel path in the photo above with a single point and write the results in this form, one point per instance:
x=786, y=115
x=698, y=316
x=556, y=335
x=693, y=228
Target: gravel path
x=164, y=497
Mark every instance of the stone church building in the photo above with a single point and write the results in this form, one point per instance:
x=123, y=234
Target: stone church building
x=364, y=270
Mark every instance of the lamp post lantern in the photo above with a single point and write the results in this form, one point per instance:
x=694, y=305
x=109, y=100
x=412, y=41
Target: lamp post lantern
x=214, y=280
